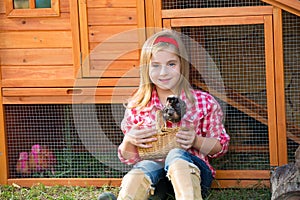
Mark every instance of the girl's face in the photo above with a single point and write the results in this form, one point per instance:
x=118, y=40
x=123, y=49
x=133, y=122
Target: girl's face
x=164, y=70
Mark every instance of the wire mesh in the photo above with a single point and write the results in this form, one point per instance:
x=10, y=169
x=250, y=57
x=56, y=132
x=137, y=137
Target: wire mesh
x=237, y=52
x=71, y=151
x=291, y=43
x=183, y=4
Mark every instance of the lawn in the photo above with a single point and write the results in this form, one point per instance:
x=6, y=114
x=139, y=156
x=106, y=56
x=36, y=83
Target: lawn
x=41, y=192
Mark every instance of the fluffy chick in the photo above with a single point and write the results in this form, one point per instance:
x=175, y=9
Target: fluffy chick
x=23, y=164
x=174, y=110
x=41, y=159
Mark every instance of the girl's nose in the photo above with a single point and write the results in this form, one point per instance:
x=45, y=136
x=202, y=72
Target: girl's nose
x=164, y=70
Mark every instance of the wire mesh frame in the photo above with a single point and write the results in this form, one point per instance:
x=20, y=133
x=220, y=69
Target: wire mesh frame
x=238, y=52
x=86, y=152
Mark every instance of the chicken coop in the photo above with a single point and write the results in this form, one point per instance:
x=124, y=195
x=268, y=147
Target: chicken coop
x=67, y=67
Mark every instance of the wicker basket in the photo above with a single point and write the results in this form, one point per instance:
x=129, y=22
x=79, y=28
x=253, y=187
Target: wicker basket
x=166, y=141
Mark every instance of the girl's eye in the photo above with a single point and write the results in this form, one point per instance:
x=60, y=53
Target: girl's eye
x=155, y=65
x=172, y=64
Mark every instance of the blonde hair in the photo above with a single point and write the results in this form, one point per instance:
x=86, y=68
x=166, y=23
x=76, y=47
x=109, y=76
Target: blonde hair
x=143, y=95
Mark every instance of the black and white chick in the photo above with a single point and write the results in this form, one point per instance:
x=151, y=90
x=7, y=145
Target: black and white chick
x=174, y=110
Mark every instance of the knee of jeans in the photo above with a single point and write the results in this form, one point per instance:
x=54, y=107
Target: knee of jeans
x=173, y=155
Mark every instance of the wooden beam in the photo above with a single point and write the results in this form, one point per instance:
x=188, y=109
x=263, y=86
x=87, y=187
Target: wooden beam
x=280, y=90
x=224, y=179
x=91, y=82
x=217, y=12
x=270, y=85
x=74, y=19
x=214, y=21
x=3, y=143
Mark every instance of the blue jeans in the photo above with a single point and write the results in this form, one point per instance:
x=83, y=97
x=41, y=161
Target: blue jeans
x=158, y=170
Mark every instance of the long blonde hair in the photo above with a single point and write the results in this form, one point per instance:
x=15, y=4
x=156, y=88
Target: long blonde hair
x=143, y=95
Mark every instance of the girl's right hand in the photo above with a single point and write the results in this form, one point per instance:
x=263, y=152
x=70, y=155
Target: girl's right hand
x=140, y=135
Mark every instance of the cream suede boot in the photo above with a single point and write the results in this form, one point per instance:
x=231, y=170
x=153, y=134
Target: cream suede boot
x=135, y=186
x=185, y=179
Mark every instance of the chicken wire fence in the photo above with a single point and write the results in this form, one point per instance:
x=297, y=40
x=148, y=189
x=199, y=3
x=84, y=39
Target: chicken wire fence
x=291, y=52
x=237, y=54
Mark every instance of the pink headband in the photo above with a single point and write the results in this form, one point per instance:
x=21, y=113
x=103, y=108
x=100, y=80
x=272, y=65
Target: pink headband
x=167, y=40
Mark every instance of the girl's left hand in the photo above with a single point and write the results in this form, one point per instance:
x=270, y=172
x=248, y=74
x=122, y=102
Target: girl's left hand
x=186, y=137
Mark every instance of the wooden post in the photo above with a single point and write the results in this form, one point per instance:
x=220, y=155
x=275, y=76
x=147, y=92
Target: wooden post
x=3, y=147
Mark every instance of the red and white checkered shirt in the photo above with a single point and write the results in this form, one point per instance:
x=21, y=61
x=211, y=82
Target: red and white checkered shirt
x=205, y=115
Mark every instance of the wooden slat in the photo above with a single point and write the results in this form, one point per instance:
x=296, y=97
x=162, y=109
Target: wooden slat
x=54, y=56
x=90, y=82
x=240, y=183
x=248, y=149
x=19, y=92
x=111, y=68
x=99, y=182
x=37, y=72
x=81, y=182
x=213, y=21
x=112, y=51
x=243, y=174
x=141, y=24
x=112, y=3
x=270, y=85
x=84, y=37
x=3, y=143
x=66, y=99
x=35, y=24
x=36, y=39
x=113, y=34
x=112, y=16
x=115, y=73
x=157, y=13
x=280, y=91
x=217, y=12
x=74, y=21
x=115, y=64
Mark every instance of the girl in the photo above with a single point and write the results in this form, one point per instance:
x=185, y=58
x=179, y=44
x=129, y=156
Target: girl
x=165, y=71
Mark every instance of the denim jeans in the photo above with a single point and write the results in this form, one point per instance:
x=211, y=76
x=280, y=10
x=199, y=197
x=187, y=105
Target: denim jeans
x=158, y=170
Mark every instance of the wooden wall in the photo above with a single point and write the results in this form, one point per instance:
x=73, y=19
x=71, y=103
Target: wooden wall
x=36, y=49
x=48, y=53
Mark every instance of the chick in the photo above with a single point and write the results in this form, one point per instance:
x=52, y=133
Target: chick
x=23, y=164
x=41, y=159
x=174, y=110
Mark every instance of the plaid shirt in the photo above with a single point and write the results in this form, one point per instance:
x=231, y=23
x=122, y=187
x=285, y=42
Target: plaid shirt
x=205, y=115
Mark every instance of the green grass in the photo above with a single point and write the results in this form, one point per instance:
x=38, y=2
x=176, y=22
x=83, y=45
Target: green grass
x=41, y=192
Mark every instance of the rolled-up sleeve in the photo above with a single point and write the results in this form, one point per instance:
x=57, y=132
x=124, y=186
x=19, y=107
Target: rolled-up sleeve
x=213, y=126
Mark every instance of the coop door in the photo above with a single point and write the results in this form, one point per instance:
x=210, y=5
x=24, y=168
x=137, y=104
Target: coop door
x=231, y=58
x=110, y=39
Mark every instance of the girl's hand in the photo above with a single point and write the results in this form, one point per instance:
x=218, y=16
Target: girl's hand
x=140, y=135
x=186, y=137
